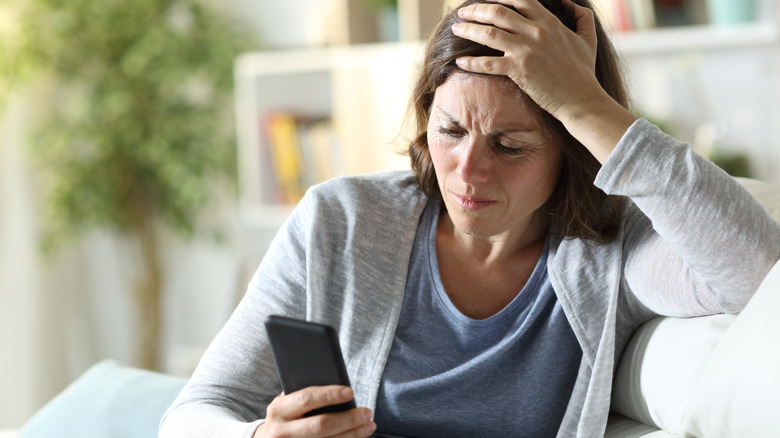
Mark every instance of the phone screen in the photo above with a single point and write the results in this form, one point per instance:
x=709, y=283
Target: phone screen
x=307, y=354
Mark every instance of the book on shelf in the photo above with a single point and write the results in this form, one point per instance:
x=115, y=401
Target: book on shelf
x=621, y=16
x=680, y=12
x=613, y=14
x=641, y=14
x=320, y=151
x=633, y=15
x=298, y=151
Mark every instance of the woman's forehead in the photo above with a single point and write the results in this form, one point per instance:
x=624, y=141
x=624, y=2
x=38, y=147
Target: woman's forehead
x=483, y=97
x=499, y=84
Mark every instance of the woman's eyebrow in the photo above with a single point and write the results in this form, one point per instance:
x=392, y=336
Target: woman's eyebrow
x=452, y=119
x=498, y=133
x=530, y=129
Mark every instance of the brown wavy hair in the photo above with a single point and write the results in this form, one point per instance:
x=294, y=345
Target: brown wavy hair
x=577, y=208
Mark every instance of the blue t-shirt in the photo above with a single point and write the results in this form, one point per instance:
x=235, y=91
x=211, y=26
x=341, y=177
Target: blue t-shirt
x=448, y=375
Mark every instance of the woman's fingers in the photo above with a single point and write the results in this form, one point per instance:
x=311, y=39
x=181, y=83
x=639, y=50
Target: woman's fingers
x=284, y=415
x=298, y=403
x=552, y=64
x=485, y=34
x=585, y=21
x=355, y=423
x=495, y=14
x=490, y=65
x=531, y=9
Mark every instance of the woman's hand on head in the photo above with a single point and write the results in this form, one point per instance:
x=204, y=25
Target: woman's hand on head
x=284, y=416
x=553, y=65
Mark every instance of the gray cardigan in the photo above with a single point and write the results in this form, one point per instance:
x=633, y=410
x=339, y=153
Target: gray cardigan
x=693, y=242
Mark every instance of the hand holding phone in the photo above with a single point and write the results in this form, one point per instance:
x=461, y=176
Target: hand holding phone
x=307, y=354
x=285, y=415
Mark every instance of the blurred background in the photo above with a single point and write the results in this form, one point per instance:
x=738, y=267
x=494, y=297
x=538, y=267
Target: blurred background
x=149, y=150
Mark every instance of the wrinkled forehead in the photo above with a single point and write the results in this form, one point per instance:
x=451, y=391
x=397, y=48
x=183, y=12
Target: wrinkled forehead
x=485, y=95
x=501, y=84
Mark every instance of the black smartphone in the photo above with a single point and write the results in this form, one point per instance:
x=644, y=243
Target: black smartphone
x=307, y=354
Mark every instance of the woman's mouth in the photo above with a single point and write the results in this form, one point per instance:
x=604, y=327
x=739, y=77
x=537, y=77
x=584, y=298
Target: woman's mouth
x=472, y=203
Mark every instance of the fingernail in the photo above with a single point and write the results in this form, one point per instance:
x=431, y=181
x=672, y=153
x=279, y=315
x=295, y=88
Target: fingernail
x=462, y=12
x=457, y=27
x=368, y=414
x=346, y=393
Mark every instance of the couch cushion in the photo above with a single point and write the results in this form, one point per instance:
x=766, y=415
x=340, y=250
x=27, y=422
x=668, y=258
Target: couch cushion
x=661, y=367
x=738, y=391
x=622, y=427
x=660, y=376
x=108, y=400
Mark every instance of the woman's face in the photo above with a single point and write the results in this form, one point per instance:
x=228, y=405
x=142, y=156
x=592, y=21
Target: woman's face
x=495, y=165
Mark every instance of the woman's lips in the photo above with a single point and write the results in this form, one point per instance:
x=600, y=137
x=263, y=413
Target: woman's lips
x=472, y=204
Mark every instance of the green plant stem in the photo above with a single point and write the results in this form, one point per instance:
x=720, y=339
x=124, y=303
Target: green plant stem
x=148, y=290
x=149, y=300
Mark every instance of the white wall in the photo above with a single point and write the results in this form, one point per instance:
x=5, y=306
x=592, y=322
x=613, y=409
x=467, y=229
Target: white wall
x=59, y=316
x=280, y=24
x=735, y=91
x=20, y=321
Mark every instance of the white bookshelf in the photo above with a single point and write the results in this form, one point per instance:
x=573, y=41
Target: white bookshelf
x=361, y=85
x=695, y=38
x=289, y=80
x=363, y=89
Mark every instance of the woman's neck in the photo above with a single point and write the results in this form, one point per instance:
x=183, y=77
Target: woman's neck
x=492, y=250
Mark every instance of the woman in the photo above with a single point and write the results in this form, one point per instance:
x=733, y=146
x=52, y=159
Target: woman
x=492, y=292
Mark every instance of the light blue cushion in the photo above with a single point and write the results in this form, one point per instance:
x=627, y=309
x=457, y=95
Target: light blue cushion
x=108, y=400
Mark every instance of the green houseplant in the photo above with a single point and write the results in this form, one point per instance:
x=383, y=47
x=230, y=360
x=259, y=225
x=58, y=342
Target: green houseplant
x=138, y=127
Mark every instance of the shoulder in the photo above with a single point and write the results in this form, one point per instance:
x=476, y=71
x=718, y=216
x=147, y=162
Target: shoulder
x=579, y=263
x=368, y=203
x=388, y=183
x=385, y=191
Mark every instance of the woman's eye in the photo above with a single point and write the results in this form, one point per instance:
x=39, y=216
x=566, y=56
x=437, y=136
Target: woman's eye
x=508, y=150
x=451, y=132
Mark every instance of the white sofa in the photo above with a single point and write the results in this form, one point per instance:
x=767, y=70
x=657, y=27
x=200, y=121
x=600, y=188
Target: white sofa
x=715, y=376
x=712, y=377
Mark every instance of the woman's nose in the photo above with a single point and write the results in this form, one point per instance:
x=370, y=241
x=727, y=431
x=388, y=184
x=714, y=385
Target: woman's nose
x=473, y=161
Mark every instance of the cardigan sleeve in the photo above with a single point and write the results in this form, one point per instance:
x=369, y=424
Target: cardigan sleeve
x=236, y=378
x=341, y=258
x=701, y=244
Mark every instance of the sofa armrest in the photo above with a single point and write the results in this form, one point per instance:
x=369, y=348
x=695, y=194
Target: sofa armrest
x=714, y=376
x=622, y=427
x=675, y=373
x=661, y=367
x=108, y=400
